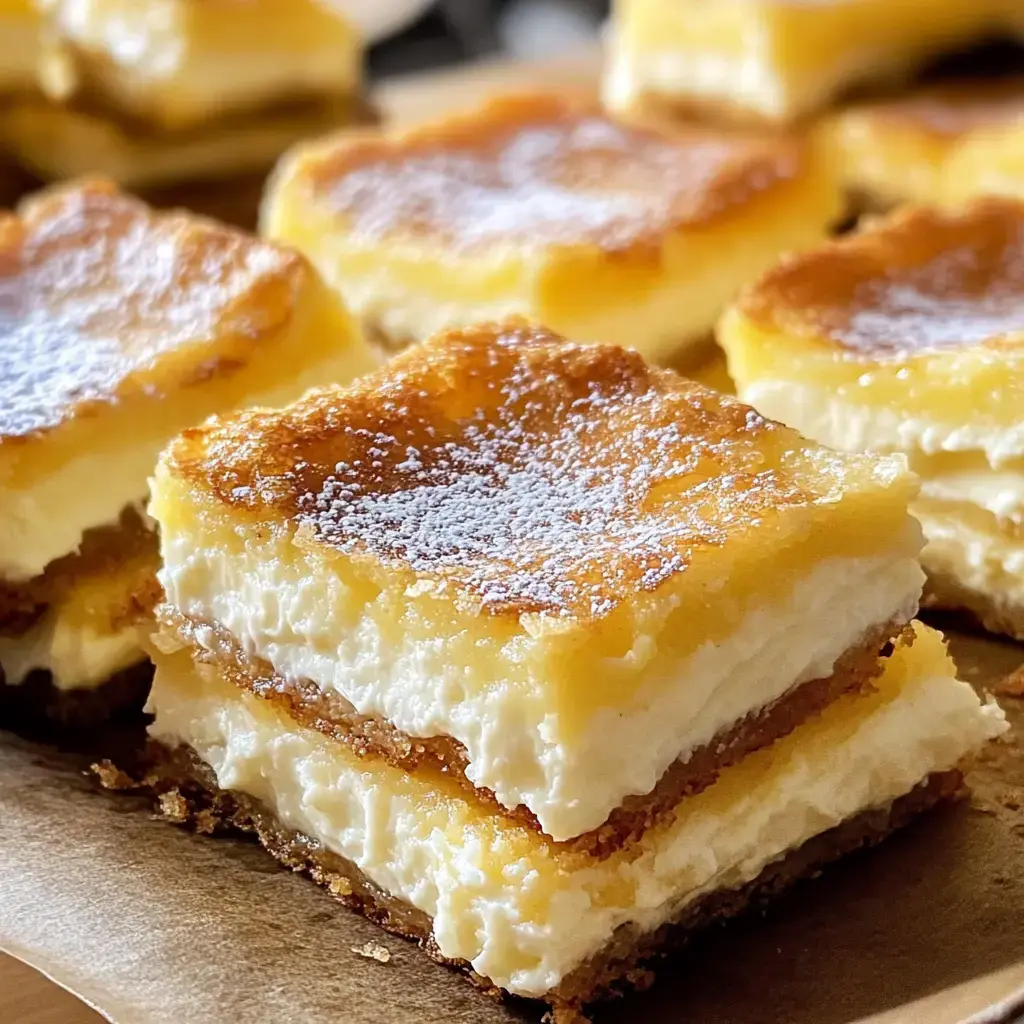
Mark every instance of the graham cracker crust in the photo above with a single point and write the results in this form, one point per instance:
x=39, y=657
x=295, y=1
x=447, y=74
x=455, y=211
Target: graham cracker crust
x=102, y=550
x=36, y=706
x=369, y=735
x=185, y=792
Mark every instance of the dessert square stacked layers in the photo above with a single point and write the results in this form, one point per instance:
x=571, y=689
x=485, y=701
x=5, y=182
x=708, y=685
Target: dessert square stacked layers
x=779, y=60
x=154, y=93
x=530, y=651
x=909, y=337
x=118, y=328
x=944, y=144
x=543, y=206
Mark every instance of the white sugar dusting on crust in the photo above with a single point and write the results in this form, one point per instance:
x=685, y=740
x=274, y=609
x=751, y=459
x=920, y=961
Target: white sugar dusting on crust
x=95, y=290
x=532, y=475
x=545, y=174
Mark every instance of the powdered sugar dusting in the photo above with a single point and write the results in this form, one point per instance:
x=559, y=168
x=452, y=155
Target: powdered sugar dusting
x=95, y=290
x=919, y=281
x=531, y=474
x=541, y=172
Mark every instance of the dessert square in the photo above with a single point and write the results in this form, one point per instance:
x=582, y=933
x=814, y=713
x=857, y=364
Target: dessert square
x=201, y=90
x=543, y=206
x=778, y=60
x=539, y=565
x=907, y=337
x=945, y=144
x=119, y=327
x=422, y=632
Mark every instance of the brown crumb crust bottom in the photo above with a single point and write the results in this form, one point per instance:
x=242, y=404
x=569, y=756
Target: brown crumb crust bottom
x=36, y=706
x=332, y=715
x=103, y=549
x=995, y=615
x=186, y=793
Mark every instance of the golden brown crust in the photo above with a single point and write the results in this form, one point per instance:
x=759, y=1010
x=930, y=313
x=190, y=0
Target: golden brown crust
x=528, y=474
x=949, y=109
x=103, y=298
x=542, y=170
x=184, y=792
x=918, y=281
x=371, y=736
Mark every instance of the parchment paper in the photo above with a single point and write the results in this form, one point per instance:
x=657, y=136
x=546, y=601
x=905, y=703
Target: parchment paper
x=154, y=925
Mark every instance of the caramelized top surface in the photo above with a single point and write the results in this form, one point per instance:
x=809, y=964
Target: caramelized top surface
x=950, y=109
x=921, y=280
x=533, y=474
x=101, y=298
x=534, y=171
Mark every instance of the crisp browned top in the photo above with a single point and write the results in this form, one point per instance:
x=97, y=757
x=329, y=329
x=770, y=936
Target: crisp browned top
x=541, y=170
x=100, y=298
x=534, y=474
x=952, y=109
x=918, y=280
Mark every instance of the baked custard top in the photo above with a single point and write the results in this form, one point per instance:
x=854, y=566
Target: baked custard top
x=531, y=474
x=918, y=281
x=541, y=170
x=948, y=110
x=101, y=298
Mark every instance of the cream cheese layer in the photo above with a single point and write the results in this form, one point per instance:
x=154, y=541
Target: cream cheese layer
x=304, y=623
x=500, y=896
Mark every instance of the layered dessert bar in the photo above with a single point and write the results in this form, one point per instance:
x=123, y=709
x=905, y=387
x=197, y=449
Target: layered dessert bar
x=532, y=652
x=779, y=60
x=542, y=206
x=908, y=337
x=121, y=327
x=945, y=144
x=155, y=93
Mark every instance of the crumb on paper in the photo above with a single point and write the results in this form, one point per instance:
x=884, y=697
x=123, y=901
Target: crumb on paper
x=110, y=776
x=1012, y=685
x=173, y=806
x=373, y=951
x=339, y=887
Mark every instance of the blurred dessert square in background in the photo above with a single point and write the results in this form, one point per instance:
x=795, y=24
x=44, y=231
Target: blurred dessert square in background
x=777, y=60
x=943, y=143
x=121, y=327
x=532, y=652
x=541, y=205
x=908, y=336
x=156, y=95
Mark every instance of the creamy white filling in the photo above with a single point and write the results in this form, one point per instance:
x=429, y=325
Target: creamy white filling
x=77, y=658
x=743, y=80
x=848, y=426
x=486, y=916
x=1000, y=492
x=47, y=520
x=986, y=562
x=154, y=57
x=570, y=779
